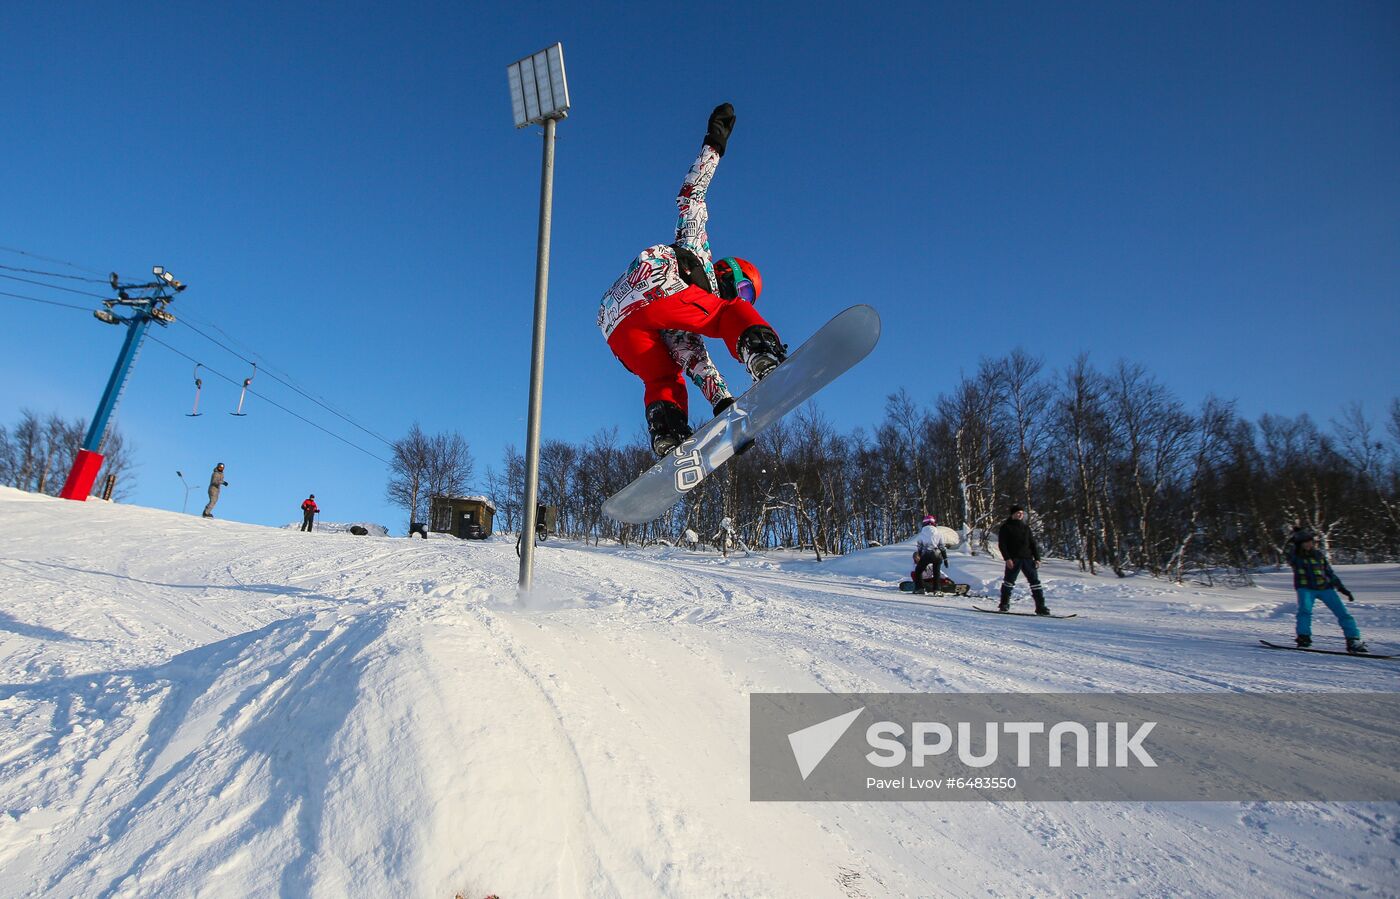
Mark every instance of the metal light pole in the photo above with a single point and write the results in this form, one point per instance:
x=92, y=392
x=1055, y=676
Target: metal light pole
x=146, y=309
x=188, y=487
x=539, y=96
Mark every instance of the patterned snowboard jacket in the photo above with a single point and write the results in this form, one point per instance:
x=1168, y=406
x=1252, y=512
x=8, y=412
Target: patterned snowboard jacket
x=656, y=273
x=1312, y=571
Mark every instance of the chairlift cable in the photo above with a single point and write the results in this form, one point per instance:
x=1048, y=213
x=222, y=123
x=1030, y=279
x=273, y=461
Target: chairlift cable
x=100, y=296
x=20, y=296
x=73, y=265
x=286, y=383
x=269, y=400
x=35, y=271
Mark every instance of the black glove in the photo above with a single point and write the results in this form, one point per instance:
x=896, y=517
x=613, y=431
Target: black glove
x=1345, y=592
x=721, y=123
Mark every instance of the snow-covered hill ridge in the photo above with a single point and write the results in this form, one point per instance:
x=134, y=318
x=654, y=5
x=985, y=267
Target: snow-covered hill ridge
x=340, y=527
x=200, y=707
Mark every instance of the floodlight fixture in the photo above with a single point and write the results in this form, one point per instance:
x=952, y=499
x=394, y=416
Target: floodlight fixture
x=167, y=277
x=157, y=269
x=103, y=315
x=538, y=90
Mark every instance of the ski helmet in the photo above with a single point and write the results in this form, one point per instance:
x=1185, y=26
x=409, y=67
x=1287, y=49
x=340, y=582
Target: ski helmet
x=738, y=279
x=929, y=519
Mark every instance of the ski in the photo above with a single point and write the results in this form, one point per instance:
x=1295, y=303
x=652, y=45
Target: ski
x=1327, y=652
x=1023, y=614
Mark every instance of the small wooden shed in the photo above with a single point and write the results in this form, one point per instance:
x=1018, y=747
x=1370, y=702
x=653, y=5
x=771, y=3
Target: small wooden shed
x=469, y=517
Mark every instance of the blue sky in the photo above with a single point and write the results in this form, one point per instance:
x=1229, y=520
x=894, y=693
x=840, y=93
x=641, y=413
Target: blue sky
x=1208, y=189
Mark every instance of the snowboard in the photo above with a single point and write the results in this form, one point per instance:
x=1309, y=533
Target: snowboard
x=946, y=588
x=827, y=354
x=1023, y=614
x=1327, y=652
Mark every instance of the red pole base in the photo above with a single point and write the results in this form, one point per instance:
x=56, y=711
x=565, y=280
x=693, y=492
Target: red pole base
x=81, y=478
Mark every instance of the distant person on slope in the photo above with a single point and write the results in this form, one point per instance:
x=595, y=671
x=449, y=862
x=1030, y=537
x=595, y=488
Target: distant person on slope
x=929, y=551
x=1314, y=579
x=1022, y=554
x=216, y=483
x=673, y=292
x=308, y=512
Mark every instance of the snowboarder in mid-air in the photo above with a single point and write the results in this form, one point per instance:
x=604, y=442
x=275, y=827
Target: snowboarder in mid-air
x=1314, y=579
x=673, y=292
x=1022, y=554
x=929, y=552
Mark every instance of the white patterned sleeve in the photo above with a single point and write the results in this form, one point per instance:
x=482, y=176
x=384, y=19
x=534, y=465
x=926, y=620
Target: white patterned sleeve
x=694, y=217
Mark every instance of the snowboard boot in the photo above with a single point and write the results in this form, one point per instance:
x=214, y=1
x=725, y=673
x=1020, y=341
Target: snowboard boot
x=722, y=404
x=667, y=425
x=1005, y=604
x=760, y=351
x=1356, y=646
x=1303, y=641
x=1042, y=610
x=1040, y=607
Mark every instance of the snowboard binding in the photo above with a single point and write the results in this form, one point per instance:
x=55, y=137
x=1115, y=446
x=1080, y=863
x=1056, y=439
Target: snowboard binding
x=761, y=351
x=667, y=425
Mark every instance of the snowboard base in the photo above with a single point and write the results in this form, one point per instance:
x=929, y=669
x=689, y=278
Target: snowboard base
x=1327, y=652
x=948, y=588
x=1023, y=614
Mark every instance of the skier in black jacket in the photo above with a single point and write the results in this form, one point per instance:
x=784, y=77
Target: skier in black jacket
x=1022, y=554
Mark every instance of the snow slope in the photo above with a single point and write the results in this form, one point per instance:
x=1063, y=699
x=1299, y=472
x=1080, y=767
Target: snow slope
x=200, y=707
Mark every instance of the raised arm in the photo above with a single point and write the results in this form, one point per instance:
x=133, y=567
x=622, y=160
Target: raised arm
x=691, y=226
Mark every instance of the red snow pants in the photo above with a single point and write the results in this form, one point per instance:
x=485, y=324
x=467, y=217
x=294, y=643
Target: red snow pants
x=637, y=341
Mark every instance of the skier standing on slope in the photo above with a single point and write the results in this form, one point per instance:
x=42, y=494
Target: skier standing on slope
x=673, y=292
x=308, y=512
x=1022, y=554
x=216, y=484
x=929, y=551
x=1314, y=579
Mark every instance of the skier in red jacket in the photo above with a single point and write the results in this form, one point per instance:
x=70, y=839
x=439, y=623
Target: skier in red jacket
x=672, y=292
x=308, y=512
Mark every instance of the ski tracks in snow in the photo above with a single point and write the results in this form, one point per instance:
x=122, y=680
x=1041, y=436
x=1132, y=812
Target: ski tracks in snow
x=193, y=707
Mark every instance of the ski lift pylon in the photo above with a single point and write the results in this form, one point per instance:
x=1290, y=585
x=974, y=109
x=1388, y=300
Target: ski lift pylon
x=244, y=392
x=198, y=384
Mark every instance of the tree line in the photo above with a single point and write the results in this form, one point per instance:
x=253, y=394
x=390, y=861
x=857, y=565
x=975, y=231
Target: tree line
x=37, y=452
x=1114, y=470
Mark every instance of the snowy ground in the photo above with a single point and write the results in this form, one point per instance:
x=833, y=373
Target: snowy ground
x=195, y=707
